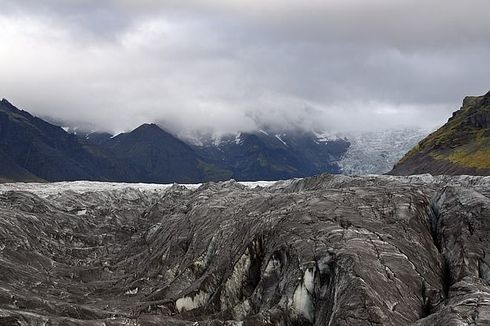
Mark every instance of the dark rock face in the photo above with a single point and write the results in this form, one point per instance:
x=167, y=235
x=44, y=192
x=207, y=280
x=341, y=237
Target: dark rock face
x=327, y=250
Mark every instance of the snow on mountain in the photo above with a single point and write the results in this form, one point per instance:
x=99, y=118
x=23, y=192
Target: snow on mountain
x=280, y=139
x=325, y=136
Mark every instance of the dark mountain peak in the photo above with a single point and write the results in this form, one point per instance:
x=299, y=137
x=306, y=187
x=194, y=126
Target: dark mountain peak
x=148, y=126
x=13, y=111
x=148, y=133
x=149, y=130
x=7, y=105
x=158, y=156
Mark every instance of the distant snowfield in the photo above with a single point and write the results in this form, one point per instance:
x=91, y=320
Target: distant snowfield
x=46, y=189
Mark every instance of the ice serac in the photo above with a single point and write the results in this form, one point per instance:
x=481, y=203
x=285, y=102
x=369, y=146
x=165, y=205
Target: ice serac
x=326, y=250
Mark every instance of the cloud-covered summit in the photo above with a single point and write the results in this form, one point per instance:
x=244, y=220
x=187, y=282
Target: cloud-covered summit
x=225, y=66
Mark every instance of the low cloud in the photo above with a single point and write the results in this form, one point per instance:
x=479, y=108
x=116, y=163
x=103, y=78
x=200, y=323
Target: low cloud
x=225, y=66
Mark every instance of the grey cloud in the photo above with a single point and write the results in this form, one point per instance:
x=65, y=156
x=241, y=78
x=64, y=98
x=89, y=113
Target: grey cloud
x=222, y=66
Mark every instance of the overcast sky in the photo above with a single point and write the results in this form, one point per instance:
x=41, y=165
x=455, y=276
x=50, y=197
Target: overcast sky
x=229, y=65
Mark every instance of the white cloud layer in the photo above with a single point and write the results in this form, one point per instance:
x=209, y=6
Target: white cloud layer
x=222, y=66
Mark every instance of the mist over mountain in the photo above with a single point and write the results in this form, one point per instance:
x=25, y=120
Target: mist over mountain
x=240, y=66
x=35, y=150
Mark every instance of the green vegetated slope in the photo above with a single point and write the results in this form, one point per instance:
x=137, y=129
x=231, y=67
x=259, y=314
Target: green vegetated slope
x=461, y=146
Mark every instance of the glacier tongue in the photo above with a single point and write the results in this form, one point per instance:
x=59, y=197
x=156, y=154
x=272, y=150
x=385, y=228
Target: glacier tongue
x=377, y=152
x=325, y=250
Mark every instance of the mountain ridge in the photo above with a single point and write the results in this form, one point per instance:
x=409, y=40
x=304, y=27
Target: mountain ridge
x=36, y=150
x=263, y=154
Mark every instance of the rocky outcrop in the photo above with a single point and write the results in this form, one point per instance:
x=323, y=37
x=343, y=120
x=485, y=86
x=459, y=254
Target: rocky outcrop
x=461, y=146
x=327, y=250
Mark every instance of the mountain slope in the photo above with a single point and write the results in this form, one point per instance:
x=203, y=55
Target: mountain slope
x=461, y=146
x=33, y=147
x=10, y=171
x=160, y=157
